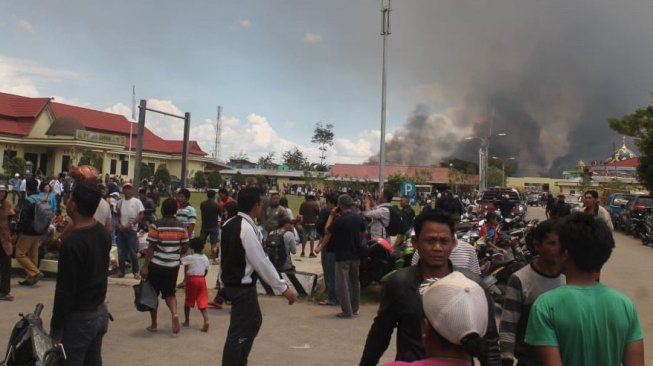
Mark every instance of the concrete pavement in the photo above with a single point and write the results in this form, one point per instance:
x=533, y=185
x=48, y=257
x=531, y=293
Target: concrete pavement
x=302, y=334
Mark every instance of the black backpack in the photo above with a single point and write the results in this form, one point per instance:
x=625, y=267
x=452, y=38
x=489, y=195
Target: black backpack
x=276, y=248
x=396, y=226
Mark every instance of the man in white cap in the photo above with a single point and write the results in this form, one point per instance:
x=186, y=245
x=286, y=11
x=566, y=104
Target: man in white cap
x=455, y=320
x=15, y=188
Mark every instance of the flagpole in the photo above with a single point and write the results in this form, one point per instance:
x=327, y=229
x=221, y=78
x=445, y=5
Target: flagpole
x=131, y=127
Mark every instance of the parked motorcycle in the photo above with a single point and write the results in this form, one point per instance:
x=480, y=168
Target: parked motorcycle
x=376, y=261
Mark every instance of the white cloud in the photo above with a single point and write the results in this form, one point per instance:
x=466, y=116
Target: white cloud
x=312, y=38
x=21, y=76
x=245, y=23
x=120, y=108
x=26, y=26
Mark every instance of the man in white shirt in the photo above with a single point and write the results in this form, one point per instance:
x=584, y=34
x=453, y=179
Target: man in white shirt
x=130, y=214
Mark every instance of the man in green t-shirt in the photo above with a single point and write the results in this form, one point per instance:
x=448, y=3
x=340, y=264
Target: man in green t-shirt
x=585, y=322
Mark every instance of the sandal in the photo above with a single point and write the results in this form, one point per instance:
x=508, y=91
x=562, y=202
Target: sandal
x=152, y=329
x=7, y=297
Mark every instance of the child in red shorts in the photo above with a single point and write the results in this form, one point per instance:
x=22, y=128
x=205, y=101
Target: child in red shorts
x=197, y=266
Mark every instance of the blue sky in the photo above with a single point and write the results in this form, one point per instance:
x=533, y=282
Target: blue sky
x=547, y=73
x=276, y=67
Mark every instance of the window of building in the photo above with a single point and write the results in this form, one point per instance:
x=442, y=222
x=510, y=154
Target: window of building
x=8, y=155
x=113, y=166
x=124, y=167
x=65, y=163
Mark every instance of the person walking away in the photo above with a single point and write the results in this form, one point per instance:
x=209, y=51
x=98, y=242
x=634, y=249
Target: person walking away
x=285, y=245
x=79, y=315
x=231, y=210
x=550, y=201
x=347, y=230
x=243, y=260
x=309, y=210
x=408, y=215
x=401, y=306
x=328, y=254
x=560, y=208
x=197, y=266
x=6, y=212
x=455, y=320
x=27, y=247
x=379, y=215
x=585, y=322
x=15, y=188
x=592, y=207
x=149, y=209
x=165, y=238
x=130, y=214
x=210, y=211
x=524, y=287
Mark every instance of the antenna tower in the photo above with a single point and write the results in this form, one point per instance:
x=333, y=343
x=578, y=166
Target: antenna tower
x=218, y=132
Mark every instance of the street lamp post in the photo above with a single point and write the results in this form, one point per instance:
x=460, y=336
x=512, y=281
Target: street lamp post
x=482, y=158
x=503, y=168
x=385, y=32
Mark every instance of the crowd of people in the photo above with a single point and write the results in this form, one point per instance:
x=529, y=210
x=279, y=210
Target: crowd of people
x=555, y=310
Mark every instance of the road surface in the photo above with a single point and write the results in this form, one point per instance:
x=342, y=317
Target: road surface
x=302, y=334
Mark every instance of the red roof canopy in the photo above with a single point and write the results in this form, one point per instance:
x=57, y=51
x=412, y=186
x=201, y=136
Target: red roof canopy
x=18, y=115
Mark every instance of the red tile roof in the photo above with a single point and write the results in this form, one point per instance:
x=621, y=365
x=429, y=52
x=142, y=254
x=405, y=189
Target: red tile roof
x=18, y=115
x=371, y=172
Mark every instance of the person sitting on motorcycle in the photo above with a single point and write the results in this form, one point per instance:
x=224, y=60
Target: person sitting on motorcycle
x=490, y=232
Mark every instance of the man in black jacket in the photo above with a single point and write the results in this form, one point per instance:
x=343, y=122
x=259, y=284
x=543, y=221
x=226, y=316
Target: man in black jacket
x=401, y=304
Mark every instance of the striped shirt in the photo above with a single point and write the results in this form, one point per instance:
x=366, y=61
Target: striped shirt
x=524, y=287
x=463, y=255
x=187, y=215
x=167, y=234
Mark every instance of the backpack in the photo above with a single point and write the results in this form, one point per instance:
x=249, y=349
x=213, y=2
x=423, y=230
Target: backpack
x=276, y=248
x=396, y=226
x=42, y=215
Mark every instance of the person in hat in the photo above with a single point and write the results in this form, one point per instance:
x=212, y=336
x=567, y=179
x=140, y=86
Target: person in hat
x=130, y=212
x=455, y=320
x=560, y=208
x=6, y=212
x=15, y=188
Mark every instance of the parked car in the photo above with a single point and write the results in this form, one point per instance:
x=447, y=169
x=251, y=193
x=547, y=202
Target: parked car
x=636, y=208
x=533, y=199
x=575, y=201
x=493, y=195
x=614, y=204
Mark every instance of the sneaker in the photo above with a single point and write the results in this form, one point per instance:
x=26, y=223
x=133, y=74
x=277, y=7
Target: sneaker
x=357, y=313
x=344, y=316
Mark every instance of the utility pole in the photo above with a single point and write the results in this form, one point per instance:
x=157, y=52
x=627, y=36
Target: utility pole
x=218, y=132
x=385, y=32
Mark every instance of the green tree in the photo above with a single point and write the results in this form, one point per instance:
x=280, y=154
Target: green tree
x=199, y=179
x=146, y=172
x=239, y=156
x=238, y=177
x=267, y=161
x=639, y=125
x=214, y=179
x=323, y=136
x=15, y=165
x=162, y=174
x=295, y=159
x=92, y=158
x=394, y=182
x=422, y=176
x=494, y=176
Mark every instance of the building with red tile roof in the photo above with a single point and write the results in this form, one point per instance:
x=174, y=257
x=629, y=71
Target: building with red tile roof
x=53, y=136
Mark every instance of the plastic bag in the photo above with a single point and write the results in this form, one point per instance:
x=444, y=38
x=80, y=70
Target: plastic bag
x=145, y=297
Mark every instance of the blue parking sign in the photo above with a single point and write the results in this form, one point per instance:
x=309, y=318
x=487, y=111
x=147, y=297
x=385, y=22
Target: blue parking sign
x=408, y=189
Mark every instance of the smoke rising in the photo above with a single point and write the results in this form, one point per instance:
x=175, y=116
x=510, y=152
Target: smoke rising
x=549, y=74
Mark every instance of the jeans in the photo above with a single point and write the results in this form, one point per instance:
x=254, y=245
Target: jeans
x=82, y=337
x=244, y=325
x=348, y=287
x=5, y=272
x=114, y=228
x=128, y=242
x=330, y=276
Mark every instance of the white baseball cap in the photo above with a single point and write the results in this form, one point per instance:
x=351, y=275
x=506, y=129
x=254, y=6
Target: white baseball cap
x=16, y=175
x=3, y=187
x=456, y=307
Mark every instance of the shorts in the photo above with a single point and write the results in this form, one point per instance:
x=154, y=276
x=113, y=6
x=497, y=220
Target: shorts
x=164, y=280
x=212, y=234
x=196, y=292
x=310, y=233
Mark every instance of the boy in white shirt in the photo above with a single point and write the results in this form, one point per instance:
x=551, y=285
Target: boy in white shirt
x=197, y=266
